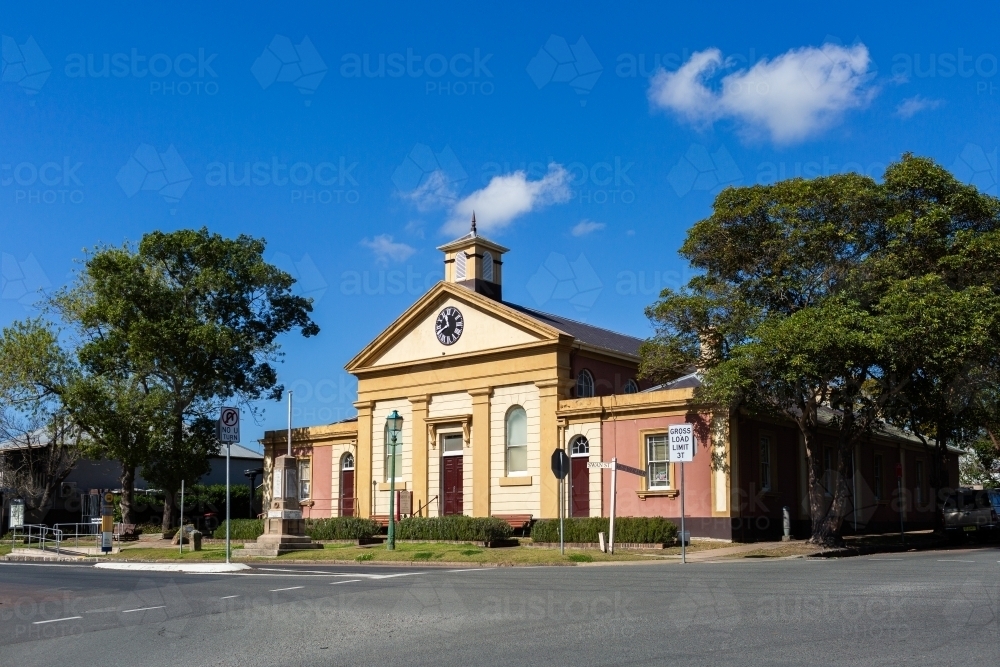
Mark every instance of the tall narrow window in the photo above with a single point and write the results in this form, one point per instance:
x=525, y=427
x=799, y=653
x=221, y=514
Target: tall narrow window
x=488, y=266
x=765, y=462
x=630, y=387
x=657, y=464
x=584, y=384
x=393, y=459
x=517, y=441
x=304, y=479
x=879, y=489
x=460, y=265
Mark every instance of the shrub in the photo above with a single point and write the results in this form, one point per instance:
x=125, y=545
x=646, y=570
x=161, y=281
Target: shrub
x=341, y=528
x=638, y=530
x=241, y=529
x=455, y=528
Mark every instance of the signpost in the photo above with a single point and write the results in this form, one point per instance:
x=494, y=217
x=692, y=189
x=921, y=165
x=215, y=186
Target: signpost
x=560, y=468
x=614, y=466
x=229, y=432
x=107, y=521
x=681, y=439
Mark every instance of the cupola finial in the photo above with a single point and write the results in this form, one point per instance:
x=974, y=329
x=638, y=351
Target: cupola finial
x=474, y=223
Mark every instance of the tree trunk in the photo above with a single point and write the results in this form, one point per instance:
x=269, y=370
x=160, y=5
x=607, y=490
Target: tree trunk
x=168, y=510
x=128, y=493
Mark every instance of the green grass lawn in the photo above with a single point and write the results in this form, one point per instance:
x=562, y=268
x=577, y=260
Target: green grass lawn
x=420, y=552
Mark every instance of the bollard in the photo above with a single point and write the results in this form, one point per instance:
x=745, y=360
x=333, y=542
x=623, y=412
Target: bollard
x=786, y=522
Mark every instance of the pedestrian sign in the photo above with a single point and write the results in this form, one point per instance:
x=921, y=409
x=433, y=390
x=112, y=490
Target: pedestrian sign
x=229, y=425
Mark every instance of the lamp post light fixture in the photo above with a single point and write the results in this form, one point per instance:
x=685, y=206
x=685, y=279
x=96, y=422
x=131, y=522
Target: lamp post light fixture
x=394, y=426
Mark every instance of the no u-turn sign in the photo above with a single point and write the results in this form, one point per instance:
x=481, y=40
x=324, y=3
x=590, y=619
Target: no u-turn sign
x=229, y=425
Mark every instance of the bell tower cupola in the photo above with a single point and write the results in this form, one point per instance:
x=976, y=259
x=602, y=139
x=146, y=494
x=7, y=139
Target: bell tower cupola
x=475, y=262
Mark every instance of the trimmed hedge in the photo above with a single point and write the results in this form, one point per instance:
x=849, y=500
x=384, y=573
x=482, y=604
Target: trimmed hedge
x=631, y=529
x=454, y=528
x=240, y=529
x=341, y=528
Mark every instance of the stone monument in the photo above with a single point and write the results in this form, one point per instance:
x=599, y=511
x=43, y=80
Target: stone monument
x=284, y=527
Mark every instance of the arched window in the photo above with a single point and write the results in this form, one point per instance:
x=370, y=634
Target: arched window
x=460, y=265
x=488, y=266
x=630, y=387
x=584, y=384
x=347, y=461
x=393, y=459
x=580, y=446
x=517, y=441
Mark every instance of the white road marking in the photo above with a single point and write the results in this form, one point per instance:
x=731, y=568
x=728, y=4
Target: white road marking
x=56, y=620
x=290, y=588
x=392, y=576
x=349, y=581
x=129, y=611
x=472, y=569
x=229, y=597
x=277, y=569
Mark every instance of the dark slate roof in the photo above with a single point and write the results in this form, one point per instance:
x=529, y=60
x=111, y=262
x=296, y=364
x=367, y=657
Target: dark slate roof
x=585, y=333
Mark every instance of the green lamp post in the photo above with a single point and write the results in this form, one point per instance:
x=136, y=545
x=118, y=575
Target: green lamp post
x=393, y=427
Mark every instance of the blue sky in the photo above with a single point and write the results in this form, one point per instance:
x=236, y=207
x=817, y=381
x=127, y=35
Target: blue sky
x=587, y=137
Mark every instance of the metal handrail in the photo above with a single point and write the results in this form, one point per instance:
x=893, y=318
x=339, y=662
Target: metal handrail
x=90, y=529
x=30, y=533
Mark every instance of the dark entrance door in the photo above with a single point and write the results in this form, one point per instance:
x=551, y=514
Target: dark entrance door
x=347, y=493
x=452, y=484
x=580, y=483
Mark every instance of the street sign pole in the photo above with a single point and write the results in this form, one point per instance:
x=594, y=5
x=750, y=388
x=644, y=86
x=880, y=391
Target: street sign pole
x=614, y=494
x=683, y=538
x=229, y=432
x=562, y=543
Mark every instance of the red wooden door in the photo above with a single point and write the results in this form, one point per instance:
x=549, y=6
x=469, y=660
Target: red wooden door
x=347, y=493
x=452, y=484
x=580, y=481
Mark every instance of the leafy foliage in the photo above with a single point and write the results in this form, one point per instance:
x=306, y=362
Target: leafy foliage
x=453, y=528
x=635, y=530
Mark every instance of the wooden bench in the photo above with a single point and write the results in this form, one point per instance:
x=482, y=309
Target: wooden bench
x=381, y=519
x=516, y=521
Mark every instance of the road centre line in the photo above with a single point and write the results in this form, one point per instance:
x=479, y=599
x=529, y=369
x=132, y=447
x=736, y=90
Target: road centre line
x=290, y=588
x=56, y=620
x=472, y=569
x=129, y=611
x=348, y=581
x=229, y=597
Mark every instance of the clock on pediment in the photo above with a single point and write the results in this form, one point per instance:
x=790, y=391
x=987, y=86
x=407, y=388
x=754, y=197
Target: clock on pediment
x=449, y=325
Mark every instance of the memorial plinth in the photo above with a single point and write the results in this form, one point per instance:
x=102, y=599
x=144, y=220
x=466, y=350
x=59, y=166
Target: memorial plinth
x=284, y=527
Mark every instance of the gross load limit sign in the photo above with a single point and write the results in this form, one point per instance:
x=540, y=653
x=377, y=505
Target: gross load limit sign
x=681, y=443
x=229, y=425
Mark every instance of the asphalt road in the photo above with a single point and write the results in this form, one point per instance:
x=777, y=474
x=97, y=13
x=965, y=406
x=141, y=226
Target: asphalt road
x=929, y=608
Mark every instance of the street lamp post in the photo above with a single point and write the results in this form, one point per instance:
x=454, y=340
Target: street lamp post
x=394, y=425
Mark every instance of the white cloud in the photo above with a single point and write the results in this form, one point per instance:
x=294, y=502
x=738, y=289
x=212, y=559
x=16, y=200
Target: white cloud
x=385, y=249
x=585, y=227
x=911, y=106
x=790, y=98
x=436, y=191
x=508, y=197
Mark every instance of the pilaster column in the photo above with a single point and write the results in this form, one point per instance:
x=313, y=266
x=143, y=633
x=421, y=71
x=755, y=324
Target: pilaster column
x=481, y=451
x=419, y=430
x=363, y=460
x=548, y=400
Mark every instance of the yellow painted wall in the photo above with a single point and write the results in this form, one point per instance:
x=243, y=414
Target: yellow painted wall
x=515, y=499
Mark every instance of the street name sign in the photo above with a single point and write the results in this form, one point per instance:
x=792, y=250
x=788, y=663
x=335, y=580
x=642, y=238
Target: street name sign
x=599, y=464
x=681, y=437
x=229, y=425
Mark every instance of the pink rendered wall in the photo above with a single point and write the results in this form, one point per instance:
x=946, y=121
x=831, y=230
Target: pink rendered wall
x=322, y=482
x=620, y=438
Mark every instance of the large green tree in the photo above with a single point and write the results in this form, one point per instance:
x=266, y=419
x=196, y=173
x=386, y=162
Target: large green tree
x=822, y=301
x=198, y=316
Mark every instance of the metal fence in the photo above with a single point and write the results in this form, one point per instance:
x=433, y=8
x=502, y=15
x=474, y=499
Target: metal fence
x=38, y=537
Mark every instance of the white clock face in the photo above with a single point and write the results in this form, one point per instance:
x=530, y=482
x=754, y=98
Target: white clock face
x=449, y=325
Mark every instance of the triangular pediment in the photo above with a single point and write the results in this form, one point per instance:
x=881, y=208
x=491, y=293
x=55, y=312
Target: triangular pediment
x=485, y=325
